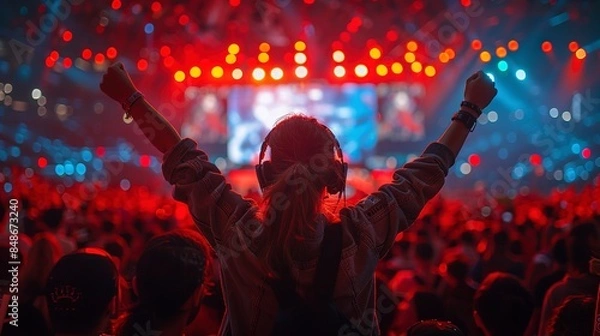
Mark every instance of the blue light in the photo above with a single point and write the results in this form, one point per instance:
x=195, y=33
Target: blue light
x=15, y=151
x=491, y=76
x=37, y=147
x=79, y=178
x=7, y=187
x=59, y=170
x=69, y=168
x=86, y=155
x=548, y=164
x=575, y=148
x=23, y=11
x=97, y=164
x=80, y=168
x=570, y=175
x=3, y=155
x=502, y=66
x=503, y=153
x=19, y=138
x=521, y=75
x=149, y=28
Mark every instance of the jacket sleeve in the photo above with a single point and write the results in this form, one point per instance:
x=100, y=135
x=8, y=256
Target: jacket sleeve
x=214, y=207
x=396, y=205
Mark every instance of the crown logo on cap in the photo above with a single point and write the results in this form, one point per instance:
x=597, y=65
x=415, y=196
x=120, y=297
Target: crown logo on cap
x=65, y=293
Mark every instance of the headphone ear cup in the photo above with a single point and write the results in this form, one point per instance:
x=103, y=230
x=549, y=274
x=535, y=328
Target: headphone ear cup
x=337, y=178
x=265, y=174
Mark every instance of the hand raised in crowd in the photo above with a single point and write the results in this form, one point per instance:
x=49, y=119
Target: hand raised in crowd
x=116, y=83
x=480, y=90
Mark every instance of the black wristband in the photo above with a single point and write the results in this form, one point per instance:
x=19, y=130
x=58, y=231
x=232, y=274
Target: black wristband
x=466, y=118
x=471, y=106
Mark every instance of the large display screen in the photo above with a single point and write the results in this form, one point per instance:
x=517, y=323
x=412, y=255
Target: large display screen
x=349, y=110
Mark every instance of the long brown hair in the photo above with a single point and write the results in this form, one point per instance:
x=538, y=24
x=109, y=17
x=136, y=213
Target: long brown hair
x=304, y=164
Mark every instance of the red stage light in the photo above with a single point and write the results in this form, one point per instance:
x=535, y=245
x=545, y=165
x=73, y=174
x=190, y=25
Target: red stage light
x=184, y=19
x=547, y=47
x=99, y=58
x=111, y=52
x=234, y=3
x=345, y=36
x=586, y=153
x=444, y=58
x=450, y=52
x=165, y=51
x=86, y=54
x=474, y=160
x=67, y=62
x=535, y=159
x=142, y=65
x=465, y=3
x=116, y=4
x=513, y=45
x=67, y=36
x=501, y=52
x=156, y=6
x=145, y=160
x=309, y=2
x=42, y=162
x=476, y=45
x=100, y=151
x=391, y=35
x=49, y=62
x=573, y=46
x=169, y=61
x=54, y=55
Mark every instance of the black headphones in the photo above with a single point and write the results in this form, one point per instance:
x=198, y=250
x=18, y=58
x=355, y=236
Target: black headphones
x=335, y=176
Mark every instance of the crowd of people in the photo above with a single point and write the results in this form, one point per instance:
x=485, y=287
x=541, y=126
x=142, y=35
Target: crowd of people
x=293, y=261
x=94, y=262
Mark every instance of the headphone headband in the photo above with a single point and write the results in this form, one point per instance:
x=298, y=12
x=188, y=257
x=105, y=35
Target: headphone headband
x=265, y=172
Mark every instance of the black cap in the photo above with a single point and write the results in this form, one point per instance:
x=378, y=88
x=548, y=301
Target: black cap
x=79, y=289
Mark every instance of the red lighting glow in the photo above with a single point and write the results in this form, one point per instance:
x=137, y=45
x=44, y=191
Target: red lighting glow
x=184, y=19
x=67, y=36
x=54, y=55
x=165, y=51
x=546, y=47
x=535, y=159
x=67, y=62
x=234, y=3
x=100, y=151
x=513, y=45
x=573, y=46
x=111, y=52
x=476, y=45
x=586, y=153
x=116, y=4
x=169, y=61
x=86, y=54
x=474, y=160
x=42, y=162
x=144, y=160
x=156, y=6
x=142, y=65
x=99, y=58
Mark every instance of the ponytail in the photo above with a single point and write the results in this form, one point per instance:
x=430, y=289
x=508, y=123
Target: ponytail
x=290, y=208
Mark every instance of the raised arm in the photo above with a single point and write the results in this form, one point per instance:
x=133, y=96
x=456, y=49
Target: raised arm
x=479, y=91
x=117, y=84
x=396, y=205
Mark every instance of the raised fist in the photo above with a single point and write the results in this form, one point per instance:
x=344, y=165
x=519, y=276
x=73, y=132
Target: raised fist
x=480, y=89
x=116, y=83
